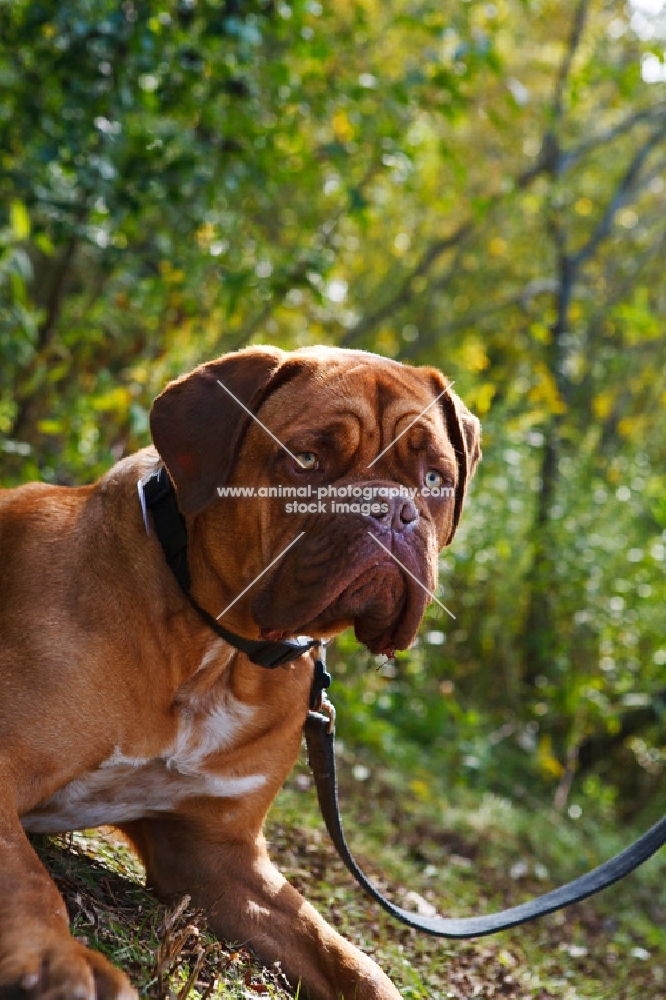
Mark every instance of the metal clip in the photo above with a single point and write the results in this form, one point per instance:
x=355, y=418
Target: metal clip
x=321, y=680
x=328, y=708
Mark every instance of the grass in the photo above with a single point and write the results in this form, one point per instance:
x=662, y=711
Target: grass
x=167, y=952
x=465, y=856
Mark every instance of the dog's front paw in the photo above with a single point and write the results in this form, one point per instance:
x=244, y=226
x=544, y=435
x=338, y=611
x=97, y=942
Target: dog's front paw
x=51, y=966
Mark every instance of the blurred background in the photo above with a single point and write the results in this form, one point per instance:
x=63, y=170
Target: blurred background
x=479, y=186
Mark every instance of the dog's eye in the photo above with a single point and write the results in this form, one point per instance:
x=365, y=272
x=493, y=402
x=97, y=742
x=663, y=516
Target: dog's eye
x=433, y=478
x=307, y=460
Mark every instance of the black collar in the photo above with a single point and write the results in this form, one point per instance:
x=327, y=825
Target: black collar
x=159, y=497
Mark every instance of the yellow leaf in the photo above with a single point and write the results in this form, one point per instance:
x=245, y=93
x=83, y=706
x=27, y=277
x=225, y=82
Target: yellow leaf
x=141, y=374
x=481, y=397
x=548, y=763
x=497, y=247
x=114, y=399
x=503, y=548
x=603, y=404
x=584, y=206
x=342, y=127
x=49, y=427
x=545, y=391
x=205, y=235
x=540, y=333
x=474, y=356
x=421, y=789
x=631, y=428
x=19, y=220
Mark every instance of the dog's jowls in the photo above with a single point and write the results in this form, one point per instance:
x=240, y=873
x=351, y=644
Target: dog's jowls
x=119, y=705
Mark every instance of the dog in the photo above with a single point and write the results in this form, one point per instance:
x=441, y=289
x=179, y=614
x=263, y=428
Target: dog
x=120, y=703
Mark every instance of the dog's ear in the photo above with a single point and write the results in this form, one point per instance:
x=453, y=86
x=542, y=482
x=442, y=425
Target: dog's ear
x=198, y=422
x=464, y=432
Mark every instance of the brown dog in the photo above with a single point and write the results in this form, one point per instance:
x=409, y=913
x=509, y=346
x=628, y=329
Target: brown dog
x=118, y=702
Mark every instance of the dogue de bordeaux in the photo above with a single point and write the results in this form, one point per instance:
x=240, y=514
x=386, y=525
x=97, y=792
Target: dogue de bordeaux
x=120, y=705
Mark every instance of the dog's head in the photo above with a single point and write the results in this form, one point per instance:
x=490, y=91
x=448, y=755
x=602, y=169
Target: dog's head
x=354, y=470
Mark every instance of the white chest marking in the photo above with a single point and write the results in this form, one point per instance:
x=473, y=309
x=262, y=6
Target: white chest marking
x=125, y=788
x=199, y=735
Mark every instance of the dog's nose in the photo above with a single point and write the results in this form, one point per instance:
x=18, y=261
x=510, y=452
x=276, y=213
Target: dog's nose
x=401, y=513
x=405, y=513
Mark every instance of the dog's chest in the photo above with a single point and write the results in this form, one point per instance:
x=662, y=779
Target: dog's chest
x=125, y=788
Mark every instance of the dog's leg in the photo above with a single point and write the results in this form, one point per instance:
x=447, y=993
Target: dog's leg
x=248, y=901
x=39, y=959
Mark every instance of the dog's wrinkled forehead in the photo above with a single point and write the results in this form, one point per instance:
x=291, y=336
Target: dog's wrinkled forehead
x=375, y=393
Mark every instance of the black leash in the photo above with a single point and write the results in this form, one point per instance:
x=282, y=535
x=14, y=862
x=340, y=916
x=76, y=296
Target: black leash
x=320, y=740
x=158, y=496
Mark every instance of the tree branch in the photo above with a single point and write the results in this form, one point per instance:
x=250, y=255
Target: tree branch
x=54, y=302
x=45, y=333
x=569, y=55
x=469, y=319
x=652, y=115
x=406, y=290
x=547, y=163
x=622, y=193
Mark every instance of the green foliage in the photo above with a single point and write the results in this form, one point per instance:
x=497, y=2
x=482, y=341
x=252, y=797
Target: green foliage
x=475, y=186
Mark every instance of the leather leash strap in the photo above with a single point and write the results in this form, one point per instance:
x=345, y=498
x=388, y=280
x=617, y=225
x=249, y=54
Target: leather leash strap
x=320, y=743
